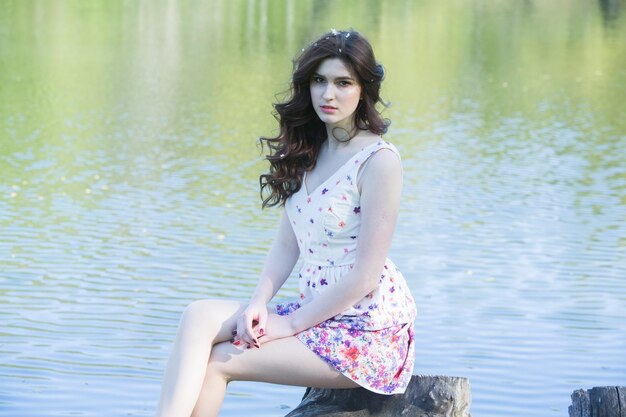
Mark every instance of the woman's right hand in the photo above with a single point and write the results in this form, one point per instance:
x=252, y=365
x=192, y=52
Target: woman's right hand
x=251, y=324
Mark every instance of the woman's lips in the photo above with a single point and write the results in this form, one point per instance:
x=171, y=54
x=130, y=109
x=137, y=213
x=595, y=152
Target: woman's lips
x=328, y=109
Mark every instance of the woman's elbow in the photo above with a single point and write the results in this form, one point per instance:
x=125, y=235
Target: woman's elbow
x=369, y=282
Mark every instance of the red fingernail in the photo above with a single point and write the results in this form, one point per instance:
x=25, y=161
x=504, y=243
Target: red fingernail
x=262, y=331
x=236, y=343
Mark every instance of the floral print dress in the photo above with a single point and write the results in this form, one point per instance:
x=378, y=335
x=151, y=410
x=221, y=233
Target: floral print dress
x=372, y=341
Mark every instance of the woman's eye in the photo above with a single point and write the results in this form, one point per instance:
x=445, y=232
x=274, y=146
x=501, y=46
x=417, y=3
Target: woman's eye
x=318, y=80
x=343, y=83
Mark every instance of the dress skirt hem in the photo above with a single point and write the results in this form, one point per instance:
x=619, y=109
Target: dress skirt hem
x=380, y=361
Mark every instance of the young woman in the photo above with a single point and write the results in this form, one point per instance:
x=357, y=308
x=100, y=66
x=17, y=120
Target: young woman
x=339, y=183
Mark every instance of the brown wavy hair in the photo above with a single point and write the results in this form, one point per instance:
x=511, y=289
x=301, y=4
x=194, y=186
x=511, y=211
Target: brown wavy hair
x=296, y=147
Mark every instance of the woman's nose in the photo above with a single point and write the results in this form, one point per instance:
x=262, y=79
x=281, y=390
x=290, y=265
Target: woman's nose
x=329, y=92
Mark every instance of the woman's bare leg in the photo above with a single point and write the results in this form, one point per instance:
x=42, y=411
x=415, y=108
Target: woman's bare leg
x=203, y=324
x=284, y=361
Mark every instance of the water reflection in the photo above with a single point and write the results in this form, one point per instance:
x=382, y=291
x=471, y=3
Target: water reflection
x=611, y=10
x=129, y=186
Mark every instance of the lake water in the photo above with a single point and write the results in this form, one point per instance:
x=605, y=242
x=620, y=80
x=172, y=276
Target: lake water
x=129, y=171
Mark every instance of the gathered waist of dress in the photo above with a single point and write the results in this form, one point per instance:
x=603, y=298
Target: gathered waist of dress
x=319, y=264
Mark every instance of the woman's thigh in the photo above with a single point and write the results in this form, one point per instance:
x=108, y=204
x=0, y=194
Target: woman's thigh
x=284, y=361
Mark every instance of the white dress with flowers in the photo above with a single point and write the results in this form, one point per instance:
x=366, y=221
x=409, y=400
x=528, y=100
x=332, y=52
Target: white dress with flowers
x=372, y=341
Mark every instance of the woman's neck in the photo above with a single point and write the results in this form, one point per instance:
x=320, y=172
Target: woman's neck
x=334, y=144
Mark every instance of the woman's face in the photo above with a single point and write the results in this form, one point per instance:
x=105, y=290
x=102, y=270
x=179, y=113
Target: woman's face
x=335, y=93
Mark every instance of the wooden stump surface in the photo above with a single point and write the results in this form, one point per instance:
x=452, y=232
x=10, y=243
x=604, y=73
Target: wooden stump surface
x=426, y=396
x=599, y=402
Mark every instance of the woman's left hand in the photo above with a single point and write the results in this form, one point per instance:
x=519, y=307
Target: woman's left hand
x=277, y=327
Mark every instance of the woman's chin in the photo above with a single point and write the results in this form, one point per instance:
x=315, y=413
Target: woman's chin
x=332, y=120
x=327, y=118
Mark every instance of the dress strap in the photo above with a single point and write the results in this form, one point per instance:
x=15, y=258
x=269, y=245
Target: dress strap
x=367, y=153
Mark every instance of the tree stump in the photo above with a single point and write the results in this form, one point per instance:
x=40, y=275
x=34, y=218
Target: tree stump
x=599, y=402
x=426, y=396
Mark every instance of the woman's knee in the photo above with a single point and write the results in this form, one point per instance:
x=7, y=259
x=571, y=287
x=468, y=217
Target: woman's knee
x=208, y=316
x=196, y=316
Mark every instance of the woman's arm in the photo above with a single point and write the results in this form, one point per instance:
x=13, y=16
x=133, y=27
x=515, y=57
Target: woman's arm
x=380, y=202
x=279, y=263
